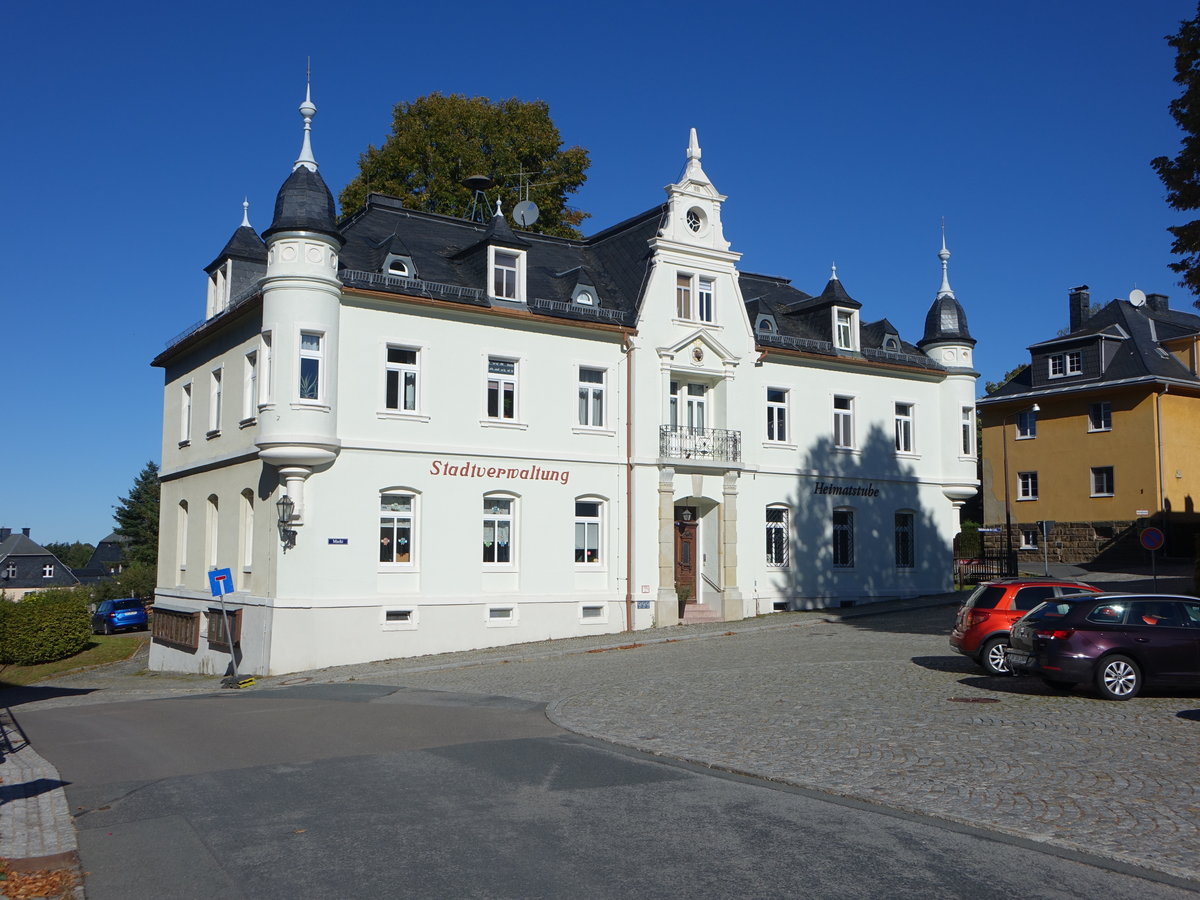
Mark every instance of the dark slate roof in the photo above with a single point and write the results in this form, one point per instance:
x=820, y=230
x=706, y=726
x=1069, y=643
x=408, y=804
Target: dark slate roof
x=304, y=204
x=20, y=545
x=243, y=244
x=946, y=321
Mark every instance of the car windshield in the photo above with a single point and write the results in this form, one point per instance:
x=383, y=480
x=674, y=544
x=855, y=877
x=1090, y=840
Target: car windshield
x=986, y=596
x=127, y=604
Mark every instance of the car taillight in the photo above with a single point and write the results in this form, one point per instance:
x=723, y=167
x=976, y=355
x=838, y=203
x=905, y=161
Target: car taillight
x=977, y=617
x=1057, y=634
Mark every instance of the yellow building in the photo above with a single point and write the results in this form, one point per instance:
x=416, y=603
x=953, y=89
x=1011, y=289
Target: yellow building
x=1100, y=435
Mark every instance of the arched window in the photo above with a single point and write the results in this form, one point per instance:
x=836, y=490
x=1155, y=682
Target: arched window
x=247, y=530
x=499, y=530
x=777, y=536
x=589, y=531
x=397, y=527
x=211, y=532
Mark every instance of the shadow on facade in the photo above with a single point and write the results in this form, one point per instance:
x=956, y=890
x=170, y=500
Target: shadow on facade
x=811, y=579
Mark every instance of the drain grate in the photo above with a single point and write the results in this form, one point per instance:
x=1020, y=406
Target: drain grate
x=972, y=699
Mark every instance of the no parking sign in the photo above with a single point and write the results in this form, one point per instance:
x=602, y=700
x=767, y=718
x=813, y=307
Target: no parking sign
x=1153, y=538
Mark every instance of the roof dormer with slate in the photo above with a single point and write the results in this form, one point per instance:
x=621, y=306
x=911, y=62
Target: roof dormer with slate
x=236, y=271
x=500, y=261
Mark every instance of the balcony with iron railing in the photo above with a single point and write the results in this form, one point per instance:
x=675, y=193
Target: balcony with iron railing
x=715, y=445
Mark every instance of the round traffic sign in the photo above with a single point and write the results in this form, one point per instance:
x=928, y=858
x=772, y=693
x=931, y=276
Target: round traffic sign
x=1152, y=538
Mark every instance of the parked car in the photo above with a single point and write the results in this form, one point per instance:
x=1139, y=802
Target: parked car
x=986, y=617
x=1116, y=642
x=114, y=615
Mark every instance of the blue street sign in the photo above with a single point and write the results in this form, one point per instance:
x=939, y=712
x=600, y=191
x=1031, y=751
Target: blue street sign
x=1153, y=538
x=220, y=581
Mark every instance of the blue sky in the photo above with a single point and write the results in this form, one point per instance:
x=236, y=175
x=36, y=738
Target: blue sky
x=840, y=133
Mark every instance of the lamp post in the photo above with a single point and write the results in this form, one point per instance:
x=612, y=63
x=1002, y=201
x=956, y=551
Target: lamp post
x=286, y=507
x=1008, y=547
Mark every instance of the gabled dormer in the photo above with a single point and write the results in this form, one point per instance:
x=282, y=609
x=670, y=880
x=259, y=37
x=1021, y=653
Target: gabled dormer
x=394, y=258
x=237, y=268
x=831, y=316
x=694, y=207
x=584, y=293
x=500, y=257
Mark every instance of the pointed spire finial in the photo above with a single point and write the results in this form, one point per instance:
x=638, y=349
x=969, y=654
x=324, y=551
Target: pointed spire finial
x=833, y=272
x=245, y=212
x=498, y=212
x=693, y=170
x=944, y=256
x=308, y=109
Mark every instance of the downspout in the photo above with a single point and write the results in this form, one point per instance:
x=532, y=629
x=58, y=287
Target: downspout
x=1162, y=488
x=628, y=348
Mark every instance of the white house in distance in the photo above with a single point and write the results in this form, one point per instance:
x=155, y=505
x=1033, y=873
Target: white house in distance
x=486, y=436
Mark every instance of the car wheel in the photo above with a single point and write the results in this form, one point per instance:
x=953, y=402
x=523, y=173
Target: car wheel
x=1058, y=684
x=993, y=658
x=1118, y=678
x=106, y=628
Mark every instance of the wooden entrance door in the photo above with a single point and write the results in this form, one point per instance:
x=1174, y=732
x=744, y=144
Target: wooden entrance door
x=685, y=551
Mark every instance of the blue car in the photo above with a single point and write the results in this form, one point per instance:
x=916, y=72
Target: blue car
x=114, y=615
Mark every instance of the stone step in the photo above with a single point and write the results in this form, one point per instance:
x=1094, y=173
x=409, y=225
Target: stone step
x=700, y=612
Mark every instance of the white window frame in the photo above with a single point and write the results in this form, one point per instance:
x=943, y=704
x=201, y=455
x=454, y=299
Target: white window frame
x=501, y=615
x=843, y=422
x=247, y=532
x=1026, y=425
x=212, y=531
x=316, y=355
x=398, y=516
x=48, y=570
x=215, y=388
x=905, y=428
x=600, y=619
x=777, y=415
x=905, y=525
x=181, y=537
x=778, y=520
x=250, y=387
x=847, y=528
x=10, y=571
x=399, y=617
x=592, y=397
x=514, y=274
x=705, y=294
x=493, y=518
x=1074, y=362
x=400, y=371
x=695, y=297
x=1097, y=487
x=845, y=328
x=1105, y=409
x=968, y=431
x=590, y=523
x=1027, y=485
x=1056, y=366
x=265, y=390
x=1029, y=538
x=185, y=414
x=501, y=379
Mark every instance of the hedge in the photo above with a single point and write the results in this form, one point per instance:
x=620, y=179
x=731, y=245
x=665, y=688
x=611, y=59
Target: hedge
x=45, y=626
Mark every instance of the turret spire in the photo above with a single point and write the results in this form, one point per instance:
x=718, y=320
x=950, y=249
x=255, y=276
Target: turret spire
x=308, y=109
x=693, y=170
x=944, y=256
x=833, y=272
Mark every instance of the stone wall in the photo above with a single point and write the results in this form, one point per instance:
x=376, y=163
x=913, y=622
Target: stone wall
x=1073, y=542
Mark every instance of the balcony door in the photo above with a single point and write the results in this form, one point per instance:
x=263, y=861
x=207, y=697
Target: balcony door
x=694, y=401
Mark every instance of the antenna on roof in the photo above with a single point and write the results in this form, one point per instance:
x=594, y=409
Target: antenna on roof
x=480, y=205
x=525, y=213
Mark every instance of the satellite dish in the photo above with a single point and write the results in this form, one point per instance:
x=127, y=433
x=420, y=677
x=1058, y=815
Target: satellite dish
x=525, y=213
x=1137, y=298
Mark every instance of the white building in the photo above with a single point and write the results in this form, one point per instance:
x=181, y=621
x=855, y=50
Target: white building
x=628, y=422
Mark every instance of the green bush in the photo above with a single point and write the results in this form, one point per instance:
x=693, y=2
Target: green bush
x=45, y=626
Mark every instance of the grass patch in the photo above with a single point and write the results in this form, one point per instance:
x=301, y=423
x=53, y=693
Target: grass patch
x=101, y=649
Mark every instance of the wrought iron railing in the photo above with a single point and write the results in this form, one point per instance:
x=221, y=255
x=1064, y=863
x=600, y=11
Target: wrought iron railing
x=709, y=444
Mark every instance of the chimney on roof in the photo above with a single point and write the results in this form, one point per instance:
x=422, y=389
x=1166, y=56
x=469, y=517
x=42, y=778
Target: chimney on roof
x=1078, y=306
x=5, y=534
x=25, y=531
x=1157, y=302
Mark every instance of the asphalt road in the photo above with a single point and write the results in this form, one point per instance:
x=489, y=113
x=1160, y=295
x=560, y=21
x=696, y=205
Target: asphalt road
x=358, y=790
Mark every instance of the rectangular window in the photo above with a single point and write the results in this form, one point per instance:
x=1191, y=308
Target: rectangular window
x=214, y=402
x=587, y=532
x=247, y=532
x=497, y=531
x=501, y=388
x=506, y=275
x=1074, y=361
x=591, y=397
x=683, y=296
x=311, y=354
x=48, y=570
x=843, y=422
x=264, y=386
x=1057, y=366
x=906, y=556
x=1100, y=416
x=904, y=428
x=777, y=414
x=1102, y=481
x=250, y=386
x=843, y=333
x=396, y=529
x=777, y=536
x=1029, y=538
x=10, y=571
x=968, y=431
x=185, y=414
x=704, y=299
x=400, y=379
x=1027, y=486
x=1026, y=425
x=843, y=538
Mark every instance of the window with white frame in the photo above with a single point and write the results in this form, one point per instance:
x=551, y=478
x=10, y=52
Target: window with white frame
x=587, y=532
x=185, y=414
x=397, y=517
x=1027, y=485
x=1102, y=481
x=704, y=299
x=1064, y=364
x=843, y=422
x=247, y=530
x=214, y=401
x=10, y=571
x=498, y=521
x=311, y=357
x=845, y=328
x=843, y=538
x=904, y=428
x=968, y=431
x=250, y=386
x=400, y=379
x=1026, y=425
x=264, y=386
x=683, y=296
x=1029, y=538
x=694, y=297
x=1056, y=366
x=48, y=570
x=777, y=536
x=1074, y=362
x=591, y=397
x=906, y=554
x=501, y=388
x=1100, y=416
x=689, y=406
x=777, y=414
x=212, y=522
x=508, y=274
x=181, y=538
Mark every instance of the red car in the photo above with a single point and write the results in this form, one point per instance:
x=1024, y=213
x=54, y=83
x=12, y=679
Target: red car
x=986, y=617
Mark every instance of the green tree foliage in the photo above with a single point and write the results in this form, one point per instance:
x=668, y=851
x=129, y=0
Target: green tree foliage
x=439, y=140
x=137, y=517
x=45, y=626
x=136, y=580
x=74, y=555
x=1181, y=175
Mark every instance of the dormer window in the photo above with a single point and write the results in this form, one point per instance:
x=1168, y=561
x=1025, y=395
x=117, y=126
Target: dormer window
x=1064, y=364
x=218, y=289
x=507, y=278
x=585, y=298
x=398, y=267
x=891, y=342
x=845, y=329
x=765, y=324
